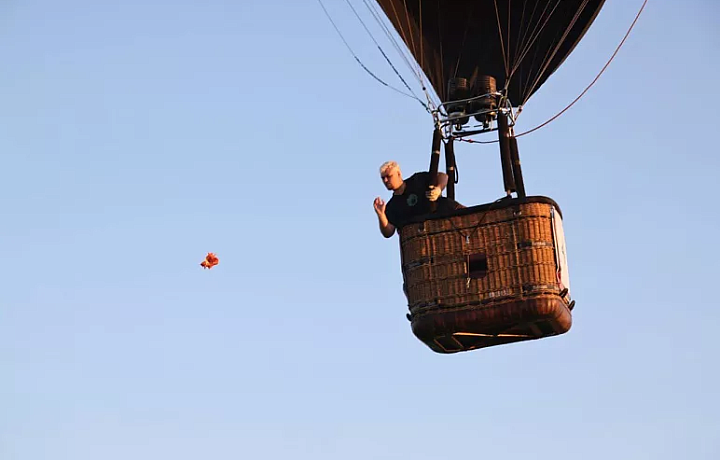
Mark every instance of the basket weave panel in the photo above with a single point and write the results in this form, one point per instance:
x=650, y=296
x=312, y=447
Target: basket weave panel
x=517, y=242
x=470, y=221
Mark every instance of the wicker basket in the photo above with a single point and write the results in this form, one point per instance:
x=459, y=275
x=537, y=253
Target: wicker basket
x=487, y=275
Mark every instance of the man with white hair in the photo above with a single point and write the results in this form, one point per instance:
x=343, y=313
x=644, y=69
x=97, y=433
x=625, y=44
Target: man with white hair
x=411, y=197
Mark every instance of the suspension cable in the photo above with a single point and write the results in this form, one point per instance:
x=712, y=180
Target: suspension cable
x=376, y=15
x=412, y=96
x=622, y=42
x=410, y=44
x=382, y=51
x=596, y=78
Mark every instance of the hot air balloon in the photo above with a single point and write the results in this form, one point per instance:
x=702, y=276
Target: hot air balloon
x=494, y=273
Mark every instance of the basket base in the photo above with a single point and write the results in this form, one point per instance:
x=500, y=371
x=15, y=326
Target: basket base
x=470, y=327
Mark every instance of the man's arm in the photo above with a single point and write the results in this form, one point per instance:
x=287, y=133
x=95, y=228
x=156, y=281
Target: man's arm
x=386, y=228
x=434, y=192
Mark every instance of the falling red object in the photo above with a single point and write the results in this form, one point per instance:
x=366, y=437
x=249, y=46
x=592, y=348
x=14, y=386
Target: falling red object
x=210, y=261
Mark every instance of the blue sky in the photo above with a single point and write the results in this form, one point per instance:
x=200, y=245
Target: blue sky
x=136, y=136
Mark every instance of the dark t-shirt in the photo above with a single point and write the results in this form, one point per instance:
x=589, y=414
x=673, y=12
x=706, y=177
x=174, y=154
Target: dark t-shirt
x=413, y=202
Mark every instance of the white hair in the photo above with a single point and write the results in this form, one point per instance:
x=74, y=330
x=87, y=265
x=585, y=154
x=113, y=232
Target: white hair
x=389, y=165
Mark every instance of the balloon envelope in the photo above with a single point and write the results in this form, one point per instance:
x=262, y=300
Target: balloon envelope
x=518, y=42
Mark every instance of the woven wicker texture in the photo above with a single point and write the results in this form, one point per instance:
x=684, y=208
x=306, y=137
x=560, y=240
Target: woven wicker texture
x=475, y=273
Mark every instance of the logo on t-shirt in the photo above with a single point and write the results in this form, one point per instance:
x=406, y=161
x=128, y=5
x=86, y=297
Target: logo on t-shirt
x=412, y=200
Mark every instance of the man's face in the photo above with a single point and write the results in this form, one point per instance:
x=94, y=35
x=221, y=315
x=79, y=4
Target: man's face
x=392, y=179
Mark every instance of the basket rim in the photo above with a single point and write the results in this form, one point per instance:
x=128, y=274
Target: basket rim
x=495, y=205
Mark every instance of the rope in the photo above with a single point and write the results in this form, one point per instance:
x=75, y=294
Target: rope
x=482, y=218
x=549, y=59
x=376, y=15
x=622, y=42
x=467, y=237
x=596, y=78
x=417, y=72
x=363, y=65
x=385, y=55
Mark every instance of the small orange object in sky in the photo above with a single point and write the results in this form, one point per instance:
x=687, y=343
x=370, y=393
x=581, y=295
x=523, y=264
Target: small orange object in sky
x=210, y=261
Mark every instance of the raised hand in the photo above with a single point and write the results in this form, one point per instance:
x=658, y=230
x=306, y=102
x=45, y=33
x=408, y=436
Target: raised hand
x=379, y=206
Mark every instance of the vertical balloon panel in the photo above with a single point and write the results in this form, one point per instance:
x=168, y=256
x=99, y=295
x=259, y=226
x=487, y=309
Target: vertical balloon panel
x=561, y=252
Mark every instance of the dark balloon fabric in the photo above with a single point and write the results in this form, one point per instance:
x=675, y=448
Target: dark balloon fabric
x=518, y=42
